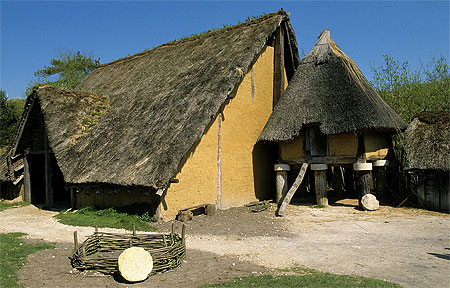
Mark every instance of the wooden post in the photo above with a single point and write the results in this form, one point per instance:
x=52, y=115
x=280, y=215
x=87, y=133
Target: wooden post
x=363, y=179
x=281, y=180
x=26, y=180
x=47, y=168
x=337, y=175
x=349, y=181
x=172, y=234
x=75, y=241
x=72, y=198
x=287, y=198
x=278, y=66
x=380, y=176
x=320, y=180
x=183, y=232
x=134, y=229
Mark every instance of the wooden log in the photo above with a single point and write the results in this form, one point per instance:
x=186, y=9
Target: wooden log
x=338, y=181
x=278, y=66
x=48, y=175
x=320, y=180
x=183, y=232
x=75, y=241
x=363, y=183
x=287, y=199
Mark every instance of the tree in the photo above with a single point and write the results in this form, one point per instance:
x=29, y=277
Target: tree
x=67, y=70
x=10, y=113
x=409, y=91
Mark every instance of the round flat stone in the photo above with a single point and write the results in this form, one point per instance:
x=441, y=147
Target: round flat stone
x=135, y=264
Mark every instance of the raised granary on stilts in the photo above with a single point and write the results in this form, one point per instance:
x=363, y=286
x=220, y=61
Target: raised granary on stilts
x=331, y=115
x=176, y=125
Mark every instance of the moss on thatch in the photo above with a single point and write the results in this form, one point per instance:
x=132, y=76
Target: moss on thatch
x=160, y=104
x=427, y=142
x=329, y=90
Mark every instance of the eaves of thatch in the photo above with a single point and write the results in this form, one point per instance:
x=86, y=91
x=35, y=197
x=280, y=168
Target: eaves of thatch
x=160, y=103
x=427, y=142
x=4, y=175
x=329, y=90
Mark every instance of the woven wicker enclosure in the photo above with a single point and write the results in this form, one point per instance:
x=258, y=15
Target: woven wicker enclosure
x=100, y=251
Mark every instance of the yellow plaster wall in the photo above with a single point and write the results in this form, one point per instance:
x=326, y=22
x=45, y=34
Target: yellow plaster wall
x=293, y=149
x=377, y=145
x=343, y=144
x=243, y=122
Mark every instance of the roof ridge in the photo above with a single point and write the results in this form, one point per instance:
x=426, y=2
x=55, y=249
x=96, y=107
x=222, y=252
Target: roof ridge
x=197, y=37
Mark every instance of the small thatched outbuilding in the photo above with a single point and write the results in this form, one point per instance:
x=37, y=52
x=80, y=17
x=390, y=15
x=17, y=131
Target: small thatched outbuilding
x=176, y=125
x=331, y=115
x=427, y=155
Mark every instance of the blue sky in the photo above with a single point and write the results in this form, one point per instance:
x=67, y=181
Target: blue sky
x=364, y=30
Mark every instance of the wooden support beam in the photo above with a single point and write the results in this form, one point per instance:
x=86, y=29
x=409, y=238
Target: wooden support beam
x=338, y=182
x=278, y=66
x=47, y=168
x=26, y=181
x=320, y=180
x=281, y=181
x=287, y=199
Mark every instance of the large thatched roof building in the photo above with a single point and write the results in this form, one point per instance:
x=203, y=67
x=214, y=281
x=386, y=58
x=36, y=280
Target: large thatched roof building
x=330, y=114
x=427, y=154
x=177, y=111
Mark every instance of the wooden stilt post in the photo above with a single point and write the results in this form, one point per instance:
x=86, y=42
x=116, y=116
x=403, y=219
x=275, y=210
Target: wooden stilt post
x=287, y=198
x=363, y=178
x=380, y=176
x=47, y=168
x=75, y=241
x=337, y=175
x=281, y=180
x=362, y=169
x=26, y=180
x=320, y=179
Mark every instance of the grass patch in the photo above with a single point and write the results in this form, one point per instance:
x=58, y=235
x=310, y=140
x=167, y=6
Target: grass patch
x=304, y=277
x=122, y=218
x=4, y=206
x=317, y=206
x=13, y=254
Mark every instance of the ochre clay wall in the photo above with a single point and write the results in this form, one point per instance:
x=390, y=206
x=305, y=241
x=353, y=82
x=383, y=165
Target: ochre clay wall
x=293, y=149
x=343, y=144
x=243, y=121
x=377, y=145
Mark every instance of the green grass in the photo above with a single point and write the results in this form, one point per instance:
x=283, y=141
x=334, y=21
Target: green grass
x=111, y=217
x=4, y=206
x=304, y=278
x=13, y=254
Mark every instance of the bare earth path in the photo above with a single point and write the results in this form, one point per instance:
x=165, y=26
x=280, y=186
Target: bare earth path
x=407, y=246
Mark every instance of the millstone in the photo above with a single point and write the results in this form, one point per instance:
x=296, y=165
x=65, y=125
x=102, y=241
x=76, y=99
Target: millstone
x=369, y=202
x=135, y=264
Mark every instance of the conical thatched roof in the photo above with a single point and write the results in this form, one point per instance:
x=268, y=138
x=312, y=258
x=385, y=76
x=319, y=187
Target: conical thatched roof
x=427, y=142
x=154, y=106
x=328, y=89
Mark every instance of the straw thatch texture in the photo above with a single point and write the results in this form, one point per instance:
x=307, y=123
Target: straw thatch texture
x=427, y=142
x=329, y=90
x=157, y=105
x=4, y=175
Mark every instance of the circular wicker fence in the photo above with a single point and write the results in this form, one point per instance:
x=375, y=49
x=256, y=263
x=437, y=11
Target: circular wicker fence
x=101, y=250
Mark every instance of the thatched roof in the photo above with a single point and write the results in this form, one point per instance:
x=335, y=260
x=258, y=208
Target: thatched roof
x=427, y=142
x=159, y=104
x=329, y=90
x=3, y=168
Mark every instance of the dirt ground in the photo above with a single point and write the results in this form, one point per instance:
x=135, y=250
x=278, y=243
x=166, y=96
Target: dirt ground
x=406, y=246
